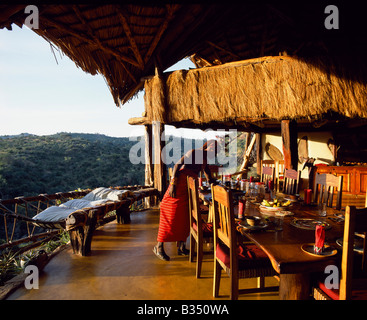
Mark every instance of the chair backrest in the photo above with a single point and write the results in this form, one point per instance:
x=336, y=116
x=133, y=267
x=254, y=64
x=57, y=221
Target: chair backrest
x=355, y=221
x=279, y=168
x=268, y=174
x=324, y=189
x=278, y=165
x=291, y=181
x=195, y=217
x=224, y=223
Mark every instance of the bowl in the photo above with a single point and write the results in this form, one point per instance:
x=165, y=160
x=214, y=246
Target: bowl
x=253, y=221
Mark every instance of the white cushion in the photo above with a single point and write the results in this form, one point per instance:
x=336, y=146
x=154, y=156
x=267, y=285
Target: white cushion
x=76, y=204
x=118, y=194
x=97, y=194
x=106, y=193
x=54, y=214
x=94, y=198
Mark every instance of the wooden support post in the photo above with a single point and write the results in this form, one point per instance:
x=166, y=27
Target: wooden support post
x=160, y=171
x=290, y=148
x=258, y=153
x=248, y=149
x=123, y=215
x=149, y=170
x=81, y=236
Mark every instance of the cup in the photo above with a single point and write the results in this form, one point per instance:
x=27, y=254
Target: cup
x=322, y=209
x=278, y=223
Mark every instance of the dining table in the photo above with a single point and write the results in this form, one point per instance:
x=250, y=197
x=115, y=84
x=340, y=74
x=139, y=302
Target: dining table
x=287, y=236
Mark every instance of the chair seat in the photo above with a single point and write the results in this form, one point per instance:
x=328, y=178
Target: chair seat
x=250, y=257
x=207, y=229
x=358, y=294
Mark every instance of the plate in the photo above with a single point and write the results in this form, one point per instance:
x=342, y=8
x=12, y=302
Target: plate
x=328, y=251
x=273, y=208
x=358, y=244
x=309, y=224
x=292, y=200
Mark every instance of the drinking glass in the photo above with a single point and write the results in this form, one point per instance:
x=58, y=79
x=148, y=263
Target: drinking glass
x=322, y=209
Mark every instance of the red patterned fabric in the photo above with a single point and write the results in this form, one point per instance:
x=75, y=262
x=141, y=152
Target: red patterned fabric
x=207, y=228
x=334, y=293
x=249, y=256
x=174, y=220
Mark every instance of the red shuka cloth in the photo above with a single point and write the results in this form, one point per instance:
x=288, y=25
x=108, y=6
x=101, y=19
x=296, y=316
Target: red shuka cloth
x=174, y=220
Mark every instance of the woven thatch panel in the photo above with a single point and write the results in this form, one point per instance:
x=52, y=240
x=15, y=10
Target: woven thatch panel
x=265, y=88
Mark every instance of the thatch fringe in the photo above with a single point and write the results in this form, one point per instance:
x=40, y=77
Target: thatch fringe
x=273, y=88
x=155, y=96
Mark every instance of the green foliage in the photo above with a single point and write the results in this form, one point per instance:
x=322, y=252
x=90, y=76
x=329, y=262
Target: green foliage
x=9, y=266
x=31, y=164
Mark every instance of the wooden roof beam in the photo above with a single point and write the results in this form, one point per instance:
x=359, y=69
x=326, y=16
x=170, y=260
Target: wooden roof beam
x=222, y=49
x=83, y=37
x=132, y=41
x=171, y=9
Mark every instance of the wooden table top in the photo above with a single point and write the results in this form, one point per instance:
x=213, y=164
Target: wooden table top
x=284, y=247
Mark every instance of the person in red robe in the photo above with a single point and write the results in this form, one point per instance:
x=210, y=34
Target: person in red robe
x=174, y=221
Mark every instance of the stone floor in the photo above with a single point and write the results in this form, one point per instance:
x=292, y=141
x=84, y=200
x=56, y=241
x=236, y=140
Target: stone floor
x=122, y=266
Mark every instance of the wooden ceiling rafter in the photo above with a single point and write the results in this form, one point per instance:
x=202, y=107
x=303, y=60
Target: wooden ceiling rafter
x=131, y=38
x=81, y=36
x=171, y=9
x=223, y=49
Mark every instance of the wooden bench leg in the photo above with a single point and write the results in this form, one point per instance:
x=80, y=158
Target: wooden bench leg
x=123, y=215
x=81, y=236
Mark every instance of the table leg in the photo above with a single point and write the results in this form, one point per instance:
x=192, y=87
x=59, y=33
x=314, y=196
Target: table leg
x=294, y=286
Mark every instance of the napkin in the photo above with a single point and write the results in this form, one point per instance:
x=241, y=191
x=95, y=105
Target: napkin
x=319, y=239
x=241, y=207
x=271, y=184
x=308, y=196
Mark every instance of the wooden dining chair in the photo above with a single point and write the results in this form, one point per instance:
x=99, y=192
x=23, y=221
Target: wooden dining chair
x=278, y=165
x=199, y=230
x=237, y=259
x=324, y=189
x=353, y=265
x=268, y=174
x=291, y=181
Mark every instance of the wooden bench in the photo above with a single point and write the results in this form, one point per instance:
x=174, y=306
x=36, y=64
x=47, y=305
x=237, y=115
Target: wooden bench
x=80, y=223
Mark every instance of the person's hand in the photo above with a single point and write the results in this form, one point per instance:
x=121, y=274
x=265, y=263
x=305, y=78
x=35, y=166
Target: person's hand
x=172, y=191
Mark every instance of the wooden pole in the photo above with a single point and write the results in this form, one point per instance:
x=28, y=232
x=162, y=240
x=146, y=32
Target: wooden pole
x=258, y=153
x=160, y=169
x=160, y=172
x=290, y=148
x=247, y=153
x=149, y=170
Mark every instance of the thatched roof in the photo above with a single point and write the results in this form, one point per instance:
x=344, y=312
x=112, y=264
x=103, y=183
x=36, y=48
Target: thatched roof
x=125, y=42
x=256, y=94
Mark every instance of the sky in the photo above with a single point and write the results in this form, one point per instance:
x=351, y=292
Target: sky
x=44, y=93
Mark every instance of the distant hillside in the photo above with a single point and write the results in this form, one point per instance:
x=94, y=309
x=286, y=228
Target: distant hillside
x=31, y=164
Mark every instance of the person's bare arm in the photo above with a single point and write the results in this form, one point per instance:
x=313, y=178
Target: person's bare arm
x=173, y=182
